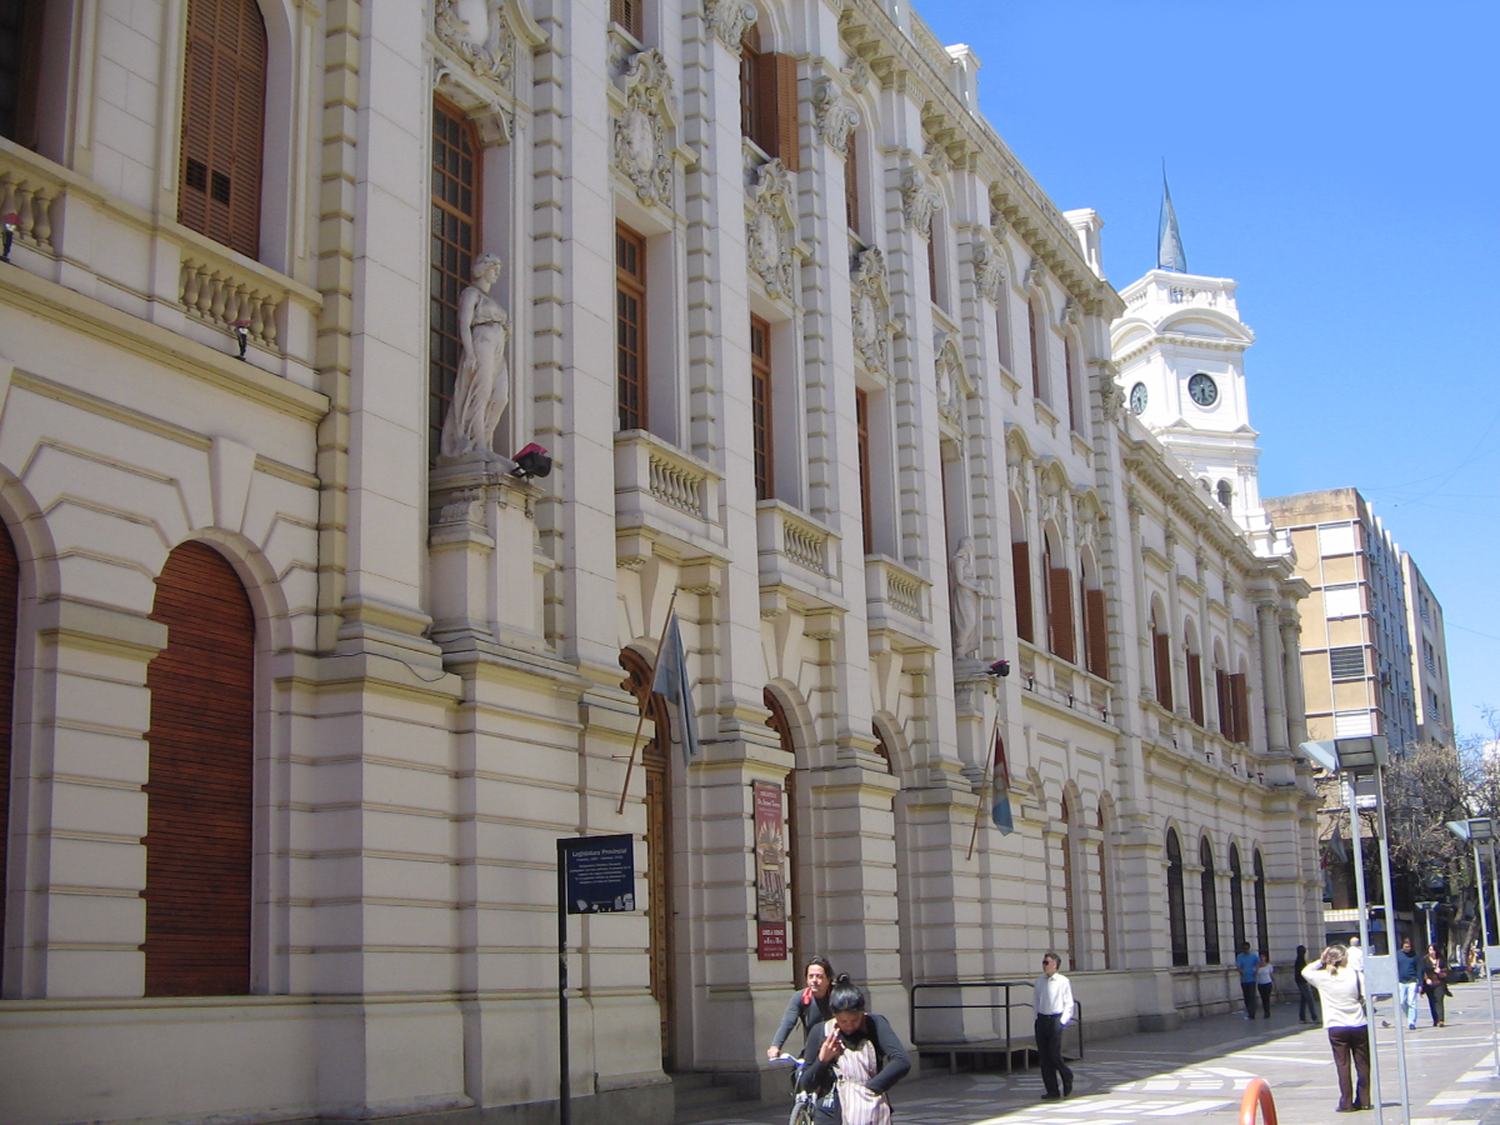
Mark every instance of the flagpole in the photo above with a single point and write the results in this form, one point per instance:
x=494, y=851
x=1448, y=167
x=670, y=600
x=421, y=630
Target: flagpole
x=646, y=702
x=989, y=772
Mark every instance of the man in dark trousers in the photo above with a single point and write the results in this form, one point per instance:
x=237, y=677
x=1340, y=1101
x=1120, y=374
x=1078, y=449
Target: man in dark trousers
x=1247, y=963
x=1054, y=1011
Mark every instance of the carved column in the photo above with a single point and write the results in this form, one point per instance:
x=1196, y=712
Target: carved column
x=1296, y=702
x=1272, y=677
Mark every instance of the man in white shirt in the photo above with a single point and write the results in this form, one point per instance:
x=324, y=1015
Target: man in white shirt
x=1054, y=1011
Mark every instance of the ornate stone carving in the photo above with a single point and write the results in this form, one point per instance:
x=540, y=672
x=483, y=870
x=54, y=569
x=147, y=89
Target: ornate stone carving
x=463, y=507
x=1111, y=397
x=730, y=19
x=643, y=150
x=857, y=74
x=1072, y=315
x=770, y=229
x=835, y=117
x=1036, y=274
x=989, y=272
x=919, y=200
x=1051, y=497
x=872, y=310
x=952, y=382
x=478, y=33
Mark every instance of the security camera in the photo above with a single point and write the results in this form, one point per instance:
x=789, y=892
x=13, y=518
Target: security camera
x=533, y=461
x=999, y=668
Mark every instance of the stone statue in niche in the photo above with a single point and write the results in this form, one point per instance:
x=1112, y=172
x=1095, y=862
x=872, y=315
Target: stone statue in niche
x=964, y=603
x=483, y=387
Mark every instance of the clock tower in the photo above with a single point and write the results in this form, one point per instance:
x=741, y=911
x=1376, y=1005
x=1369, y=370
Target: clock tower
x=1180, y=349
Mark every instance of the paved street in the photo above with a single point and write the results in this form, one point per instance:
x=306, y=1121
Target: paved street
x=1202, y=1069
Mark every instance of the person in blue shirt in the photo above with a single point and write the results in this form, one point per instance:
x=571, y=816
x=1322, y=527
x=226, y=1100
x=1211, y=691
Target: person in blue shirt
x=1408, y=976
x=1248, y=962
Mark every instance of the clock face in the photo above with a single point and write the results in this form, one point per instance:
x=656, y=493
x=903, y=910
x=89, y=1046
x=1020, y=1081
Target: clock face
x=1138, y=398
x=1203, y=390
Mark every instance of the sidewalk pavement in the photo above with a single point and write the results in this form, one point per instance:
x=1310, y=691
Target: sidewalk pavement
x=1201, y=1069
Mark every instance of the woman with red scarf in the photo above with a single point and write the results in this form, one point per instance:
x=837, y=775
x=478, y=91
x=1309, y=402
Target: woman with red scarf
x=808, y=1007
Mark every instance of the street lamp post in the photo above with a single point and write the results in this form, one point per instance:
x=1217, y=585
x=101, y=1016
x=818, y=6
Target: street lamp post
x=1358, y=763
x=1427, y=908
x=1477, y=830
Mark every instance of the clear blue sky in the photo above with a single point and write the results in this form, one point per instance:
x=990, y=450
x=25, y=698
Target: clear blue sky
x=1339, y=160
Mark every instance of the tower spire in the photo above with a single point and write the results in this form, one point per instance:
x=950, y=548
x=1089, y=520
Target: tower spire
x=1169, y=252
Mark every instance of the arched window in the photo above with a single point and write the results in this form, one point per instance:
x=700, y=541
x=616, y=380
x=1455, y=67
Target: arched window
x=454, y=234
x=1194, y=661
x=768, y=100
x=10, y=585
x=1020, y=562
x=799, y=950
x=1176, y=905
x=1209, y=882
x=1237, y=897
x=1104, y=903
x=1226, y=494
x=1070, y=915
x=1262, y=925
x=1059, y=590
x=223, y=123
x=199, y=800
x=1161, y=656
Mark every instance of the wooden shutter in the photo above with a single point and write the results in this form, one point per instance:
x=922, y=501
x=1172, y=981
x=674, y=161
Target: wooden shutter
x=1195, y=687
x=1161, y=647
x=760, y=408
x=630, y=327
x=1096, y=632
x=223, y=123
x=773, y=116
x=1020, y=561
x=1240, y=694
x=1060, y=614
x=10, y=584
x=200, y=799
x=627, y=13
x=1221, y=695
x=1036, y=356
x=866, y=511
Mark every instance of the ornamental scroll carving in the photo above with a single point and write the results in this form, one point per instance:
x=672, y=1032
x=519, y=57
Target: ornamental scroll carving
x=989, y=272
x=643, y=151
x=770, y=224
x=1111, y=397
x=835, y=117
x=871, y=298
x=730, y=19
x=919, y=201
x=477, y=32
x=953, y=385
x=1036, y=274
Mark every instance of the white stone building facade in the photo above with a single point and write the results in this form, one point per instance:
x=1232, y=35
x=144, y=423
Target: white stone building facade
x=820, y=365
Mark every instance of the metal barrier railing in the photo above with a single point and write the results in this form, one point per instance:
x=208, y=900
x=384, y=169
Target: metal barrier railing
x=954, y=1047
x=1257, y=1095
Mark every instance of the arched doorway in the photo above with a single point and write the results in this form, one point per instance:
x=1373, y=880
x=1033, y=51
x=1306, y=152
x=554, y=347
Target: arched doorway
x=656, y=759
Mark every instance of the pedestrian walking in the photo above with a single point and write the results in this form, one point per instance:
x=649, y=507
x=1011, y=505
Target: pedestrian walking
x=1435, y=983
x=1053, y=1005
x=1408, y=980
x=851, y=1061
x=1263, y=984
x=1247, y=962
x=1356, y=954
x=1341, y=988
x=1307, y=1006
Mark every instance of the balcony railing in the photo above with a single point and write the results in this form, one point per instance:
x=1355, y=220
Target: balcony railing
x=62, y=217
x=665, y=490
x=897, y=598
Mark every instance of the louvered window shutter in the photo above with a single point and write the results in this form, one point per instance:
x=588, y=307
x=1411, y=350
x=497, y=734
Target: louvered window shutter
x=10, y=573
x=627, y=13
x=223, y=123
x=1060, y=614
x=1020, y=559
x=1239, y=690
x=1096, y=631
x=1195, y=687
x=199, y=800
x=1162, y=652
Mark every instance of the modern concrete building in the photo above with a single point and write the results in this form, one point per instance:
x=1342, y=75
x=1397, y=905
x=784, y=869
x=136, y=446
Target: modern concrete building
x=1358, y=665
x=310, y=675
x=1429, y=657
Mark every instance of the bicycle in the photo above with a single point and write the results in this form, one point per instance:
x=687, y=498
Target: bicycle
x=802, y=1100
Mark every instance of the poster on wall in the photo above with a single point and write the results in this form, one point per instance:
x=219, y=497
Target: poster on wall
x=770, y=883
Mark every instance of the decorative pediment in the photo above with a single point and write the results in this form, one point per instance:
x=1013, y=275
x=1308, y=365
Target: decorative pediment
x=644, y=127
x=770, y=229
x=730, y=19
x=871, y=298
x=989, y=271
x=919, y=201
x=486, y=35
x=835, y=116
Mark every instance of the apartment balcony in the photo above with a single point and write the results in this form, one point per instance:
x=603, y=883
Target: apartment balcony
x=899, y=601
x=70, y=232
x=799, y=558
x=665, y=495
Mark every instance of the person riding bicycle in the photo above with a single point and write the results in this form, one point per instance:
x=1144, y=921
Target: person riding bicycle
x=851, y=1061
x=808, y=1007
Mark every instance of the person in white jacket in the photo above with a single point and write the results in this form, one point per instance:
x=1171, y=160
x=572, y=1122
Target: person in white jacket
x=1341, y=988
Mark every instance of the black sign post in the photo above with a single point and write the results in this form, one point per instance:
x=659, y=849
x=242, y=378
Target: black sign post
x=595, y=875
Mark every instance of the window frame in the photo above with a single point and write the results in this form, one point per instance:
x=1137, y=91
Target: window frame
x=631, y=285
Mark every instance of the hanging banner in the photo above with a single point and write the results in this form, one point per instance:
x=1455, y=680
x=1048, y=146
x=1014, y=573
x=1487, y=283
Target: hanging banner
x=770, y=883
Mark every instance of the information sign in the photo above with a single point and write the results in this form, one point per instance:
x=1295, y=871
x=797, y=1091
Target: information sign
x=600, y=873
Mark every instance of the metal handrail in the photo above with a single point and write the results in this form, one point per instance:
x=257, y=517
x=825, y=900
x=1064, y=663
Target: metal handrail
x=1006, y=1004
x=1257, y=1095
